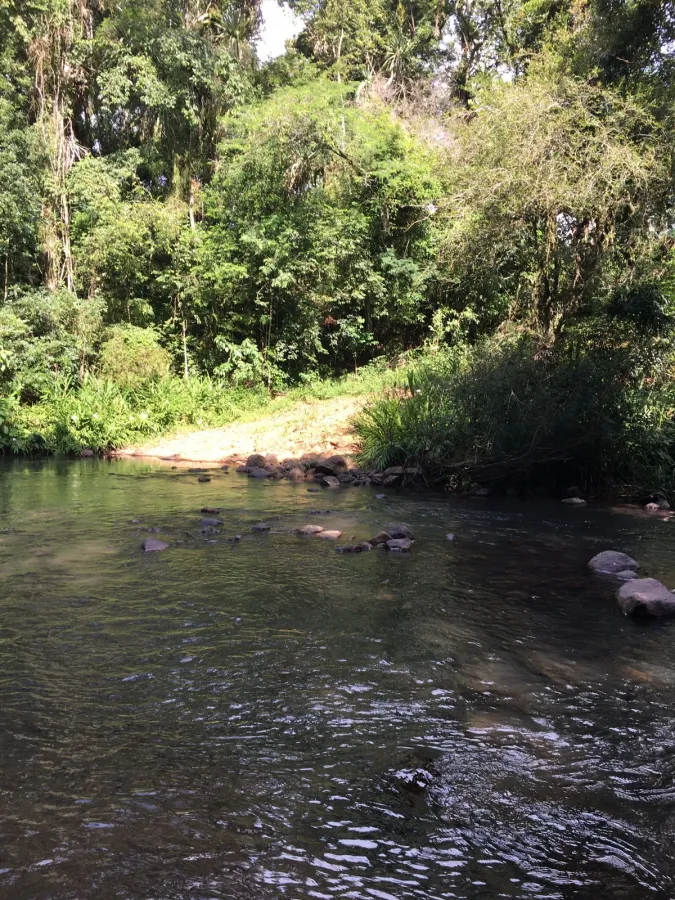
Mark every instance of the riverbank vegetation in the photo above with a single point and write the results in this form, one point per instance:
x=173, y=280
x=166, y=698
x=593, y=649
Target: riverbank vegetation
x=485, y=188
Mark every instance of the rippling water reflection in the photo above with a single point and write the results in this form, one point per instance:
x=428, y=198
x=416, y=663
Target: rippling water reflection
x=245, y=720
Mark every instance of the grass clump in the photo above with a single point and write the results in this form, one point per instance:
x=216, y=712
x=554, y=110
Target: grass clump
x=514, y=413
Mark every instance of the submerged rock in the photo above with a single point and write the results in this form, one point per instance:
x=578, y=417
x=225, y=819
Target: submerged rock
x=296, y=474
x=646, y=597
x=257, y=472
x=203, y=479
x=450, y=537
x=208, y=521
x=87, y=453
x=261, y=528
x=331, y=481
x=209, y=510
x=627, y=575
x=611, y=562
x=152, y=545
x=309, y=529
x=361, y=547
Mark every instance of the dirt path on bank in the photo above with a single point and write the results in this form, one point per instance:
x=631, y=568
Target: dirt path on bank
x=307, y=427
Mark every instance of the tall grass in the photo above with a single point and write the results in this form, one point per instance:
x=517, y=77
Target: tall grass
x=506, y=413
x=104, y=415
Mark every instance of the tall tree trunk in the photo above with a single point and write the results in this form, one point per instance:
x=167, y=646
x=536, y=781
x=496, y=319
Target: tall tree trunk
x=55, y=77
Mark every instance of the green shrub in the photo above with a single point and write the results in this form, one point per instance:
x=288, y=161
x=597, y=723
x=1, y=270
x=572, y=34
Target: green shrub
x=512, y=413
x=132, y=355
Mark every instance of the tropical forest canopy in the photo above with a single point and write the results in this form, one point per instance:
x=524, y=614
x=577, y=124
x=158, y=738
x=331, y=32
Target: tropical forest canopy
x=411, y=173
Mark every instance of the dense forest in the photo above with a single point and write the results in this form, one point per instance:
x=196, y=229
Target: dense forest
x=480, y=189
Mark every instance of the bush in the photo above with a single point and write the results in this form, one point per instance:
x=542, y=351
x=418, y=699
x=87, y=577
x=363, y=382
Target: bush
x=103, y=415
x=132, y=355
x=512, y=414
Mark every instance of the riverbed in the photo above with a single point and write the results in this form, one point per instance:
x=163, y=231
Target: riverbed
x=269, y=718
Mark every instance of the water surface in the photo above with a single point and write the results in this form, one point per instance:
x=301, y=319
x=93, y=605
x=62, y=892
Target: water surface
x=242, y=720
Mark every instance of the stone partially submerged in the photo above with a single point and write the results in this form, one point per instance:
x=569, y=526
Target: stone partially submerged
x=646, y=597
x=611, y=562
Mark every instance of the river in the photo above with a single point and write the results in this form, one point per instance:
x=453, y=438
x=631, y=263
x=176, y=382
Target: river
x=271, y=719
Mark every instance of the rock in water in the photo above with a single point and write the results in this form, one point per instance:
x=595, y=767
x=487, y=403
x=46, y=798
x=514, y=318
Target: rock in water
x=450, y=537
x=261, y=528
x=209, y=510
x=203, y=479
x=361, y=547
x=309, y=529
x=207, y=521
x=400, y=531
x=257, y=472
x=152, y=545
x=87, y=453
x=646, y=597
x=611, y=562
x=331, y=481
x=256, y=461
x=380, y=539
x=574, y=501
x=400, y=545
x=330, y=535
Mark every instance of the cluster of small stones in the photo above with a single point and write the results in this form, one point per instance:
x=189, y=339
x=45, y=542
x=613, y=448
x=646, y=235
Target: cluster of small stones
x=640, y=597
x=325, y=469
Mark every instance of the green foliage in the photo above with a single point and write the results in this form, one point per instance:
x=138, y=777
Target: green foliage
x=318, y=238
x=102, y=415
x=515, y=413
x=131, y=355
x=44, y=334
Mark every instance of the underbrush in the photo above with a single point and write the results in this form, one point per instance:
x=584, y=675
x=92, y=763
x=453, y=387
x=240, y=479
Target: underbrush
x=104, y=415
x=512, y=414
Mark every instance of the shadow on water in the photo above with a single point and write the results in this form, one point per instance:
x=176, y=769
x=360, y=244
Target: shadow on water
x=268, y=718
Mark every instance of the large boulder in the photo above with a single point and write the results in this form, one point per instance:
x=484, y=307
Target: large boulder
x=646, y=597
x=334, y=465
x=257, y=472
x=330, y=481
x=209, y=522
x=380, y=539
x=611, y=562
x=256, y=461
x=296, y=474
x=400, y=531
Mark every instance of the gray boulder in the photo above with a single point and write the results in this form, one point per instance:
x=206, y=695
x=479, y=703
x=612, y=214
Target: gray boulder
x=400, y=545
x=261, y=528
x=331, y=481
x=646, y=597
x=258, y=472
x=611, y=562
x=361, y=547
x=256, y=461
x=574, y=501
x=334, y=465
x=207, y=521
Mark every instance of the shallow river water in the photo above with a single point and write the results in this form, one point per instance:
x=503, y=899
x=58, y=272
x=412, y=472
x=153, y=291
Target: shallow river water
x=242, y=720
